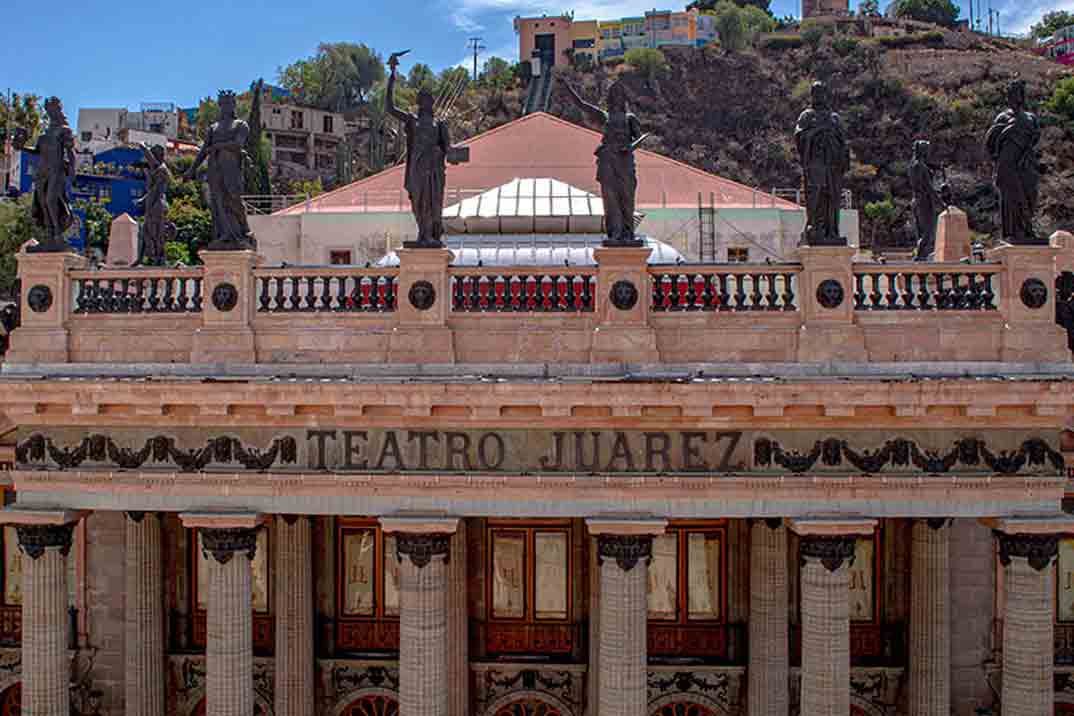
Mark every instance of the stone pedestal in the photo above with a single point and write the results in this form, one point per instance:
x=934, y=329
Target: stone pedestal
x=423, y=306
x=1027, y=300
x=768, y=642
x=45, y=661
x=953, y=238
x=622, y=304
x=826, y=297
x=144, y=608
x=46, y=305
x=229, y=291
x=1028, y=628
x=122, y=241
x=930, y=619
x=294, y=616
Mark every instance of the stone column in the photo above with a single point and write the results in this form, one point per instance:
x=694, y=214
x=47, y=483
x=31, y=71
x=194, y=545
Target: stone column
x=144, y=609
x=1028, y=630
x=826, y=624
x=768, y=642
x=930, y=619
x=45, y=663
x=423, y=545
x=458, y=626
x=294, y=616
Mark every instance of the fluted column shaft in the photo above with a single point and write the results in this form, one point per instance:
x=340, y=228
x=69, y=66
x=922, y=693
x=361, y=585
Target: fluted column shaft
x=1028, y=629
x=229, y=658
x=294, y=616
x=826, y=625
x=624, y=562
x=423, y=624
x=144, y=617
x=930, y=619
x=45, y=664
x=458, y=632
x=768, y=666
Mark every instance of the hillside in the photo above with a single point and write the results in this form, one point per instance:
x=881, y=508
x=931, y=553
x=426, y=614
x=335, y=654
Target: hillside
x=733, y=114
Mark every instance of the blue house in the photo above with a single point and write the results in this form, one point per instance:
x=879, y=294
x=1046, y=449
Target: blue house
x=116, y=180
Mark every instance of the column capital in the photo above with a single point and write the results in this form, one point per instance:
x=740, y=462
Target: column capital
x=937, y=523
x=1038, y=549
x=626, y=550
x=831, y=550
x=422, y=548
x=772, y=523
x=35, y=539
x=224, y=542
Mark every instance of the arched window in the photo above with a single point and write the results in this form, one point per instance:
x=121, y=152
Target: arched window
x=372, y=705
x=684, y=708
x=529, y=706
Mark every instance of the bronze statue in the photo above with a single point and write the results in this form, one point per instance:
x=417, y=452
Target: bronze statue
x=428, y=149
x=616, y=169
x=926, y=204
x=51, y=207
x=156, y=230
x=825, y=157
x=224, y=149
x=1012, y=142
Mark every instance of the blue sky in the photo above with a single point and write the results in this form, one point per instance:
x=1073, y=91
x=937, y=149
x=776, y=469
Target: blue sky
x=121, y=53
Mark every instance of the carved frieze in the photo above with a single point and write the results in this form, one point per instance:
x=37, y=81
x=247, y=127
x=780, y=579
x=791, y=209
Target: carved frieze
x=626, y=550
x=498, y=683
x=719, y=686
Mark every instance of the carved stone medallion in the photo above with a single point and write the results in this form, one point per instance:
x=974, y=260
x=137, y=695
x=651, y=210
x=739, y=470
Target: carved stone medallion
x=39, y=298
x=1038, y=550
x=624, y=295
x=35, y=539
x=830, y=293
x=224, y=543
x=421, y=548
x=626, y=550
x=422, y=295
x=832, y=551
x=225, y=297
x=1034, y=293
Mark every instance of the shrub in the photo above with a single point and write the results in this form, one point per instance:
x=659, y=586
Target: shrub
x=781, y=42
x=730, y=26
x=648, y=61
x=844, y=46
x=1062, y=99
x=939, y=12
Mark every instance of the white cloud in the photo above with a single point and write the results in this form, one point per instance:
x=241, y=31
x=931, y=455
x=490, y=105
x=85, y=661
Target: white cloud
x=471, y=15
x=1015, y=16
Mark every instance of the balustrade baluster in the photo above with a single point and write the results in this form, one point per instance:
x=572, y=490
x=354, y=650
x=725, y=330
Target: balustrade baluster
x=483, y=289
x=326, y=293
x=368, y=292
x=80, y=296
x=199, y=298
x=167, y=301
x=788, y=292
x=923, y=292
x=908, y=291
x=281, y=300
x=740, y=292
x=138, y=295
x=514, y=286
x=859, y=292
x=725, y=296
x=893, y=291
x=153, y=299
x=262, y=294
x=562, y=288
x=757, y=297
x=874, y=292
x=989, y=294
x=940, y=292
x=656, y=286
x=681, y=293
x=546, y=293
x=772, y=295
x=180, y=299
x=575, y=288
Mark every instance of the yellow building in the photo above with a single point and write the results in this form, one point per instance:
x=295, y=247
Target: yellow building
x=611, y=38
x=585, y=38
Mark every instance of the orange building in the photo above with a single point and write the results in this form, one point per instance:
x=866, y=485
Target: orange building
x=548, y=37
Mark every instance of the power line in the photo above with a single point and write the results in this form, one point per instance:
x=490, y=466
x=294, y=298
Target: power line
x=474, y=43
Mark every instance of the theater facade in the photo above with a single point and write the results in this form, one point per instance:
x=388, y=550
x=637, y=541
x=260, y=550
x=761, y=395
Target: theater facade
x=623, y=489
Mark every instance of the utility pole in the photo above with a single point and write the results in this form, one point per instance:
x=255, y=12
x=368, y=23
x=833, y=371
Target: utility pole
x=9, y=146
x=989, y=17
x=474, y=43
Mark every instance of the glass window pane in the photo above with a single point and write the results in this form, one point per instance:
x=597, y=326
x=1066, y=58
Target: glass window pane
x=259, y=572
x=12, y=568
x=391, y=577
x=203, y=574
x=1064, y=583
x=862, y=577
x=359, y=573
x=703, y=571
x=664, y=577
x=550, y=583
x=72, y=568
x=508, y=575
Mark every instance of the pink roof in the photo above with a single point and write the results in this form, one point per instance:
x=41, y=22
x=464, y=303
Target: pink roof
x=540, y=145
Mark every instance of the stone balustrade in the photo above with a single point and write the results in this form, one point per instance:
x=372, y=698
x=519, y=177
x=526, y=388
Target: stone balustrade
x=827, y=307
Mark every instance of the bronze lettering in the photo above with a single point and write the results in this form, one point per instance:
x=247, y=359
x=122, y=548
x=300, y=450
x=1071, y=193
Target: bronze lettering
x=663, y=452
x=350, y=450
x=546, y=464
x=620, y=451
x=454, y=450
x=579, y=452
x=482, y=454
x=391, y=445
x=320, y=436
x=692, y=459
x=733, y=440
x=423, y=437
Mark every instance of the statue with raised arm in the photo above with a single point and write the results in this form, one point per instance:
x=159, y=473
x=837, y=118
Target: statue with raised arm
x=156, y=230
x=428, y=149
x=55, y=150
x=617, y=173
x=926, y=204
x=223, y=149
x=1012, y=143
x=822, y=149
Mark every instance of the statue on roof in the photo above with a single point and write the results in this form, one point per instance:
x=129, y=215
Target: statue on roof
x=1012, y=143
x=825, y=157
x=224, y=149
x=156, y=229
x=428, y=150
x=55, y=150
x=926, y=204
x=616, y=169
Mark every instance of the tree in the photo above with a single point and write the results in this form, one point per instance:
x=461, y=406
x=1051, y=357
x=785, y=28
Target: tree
x=452, y=78
x=710, y=5
x=646, y=60
x=421, y=76
x=257, y=167
x=208, y=112
x=757, y=21
x=730, y=26
x=98, y=224
x=16, y=228
x=337, y=78
x=879, y=214
x=1062, y=99
x=939, y=12
x=497, y=74
x=869, y=8
x=1052, y=21
x=193, y=225
x=23, y=112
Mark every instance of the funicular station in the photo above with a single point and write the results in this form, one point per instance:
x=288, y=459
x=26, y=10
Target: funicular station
x=602, y=486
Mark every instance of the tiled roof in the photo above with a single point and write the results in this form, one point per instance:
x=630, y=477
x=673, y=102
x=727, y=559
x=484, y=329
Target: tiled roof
x=540, y=145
